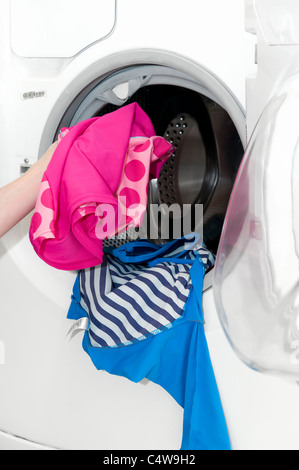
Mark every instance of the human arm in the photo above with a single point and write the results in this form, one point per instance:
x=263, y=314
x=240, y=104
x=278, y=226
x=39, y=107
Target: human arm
x=18, y=198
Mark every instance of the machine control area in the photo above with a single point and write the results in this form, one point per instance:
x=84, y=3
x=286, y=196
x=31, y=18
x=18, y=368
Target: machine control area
x=38, y=28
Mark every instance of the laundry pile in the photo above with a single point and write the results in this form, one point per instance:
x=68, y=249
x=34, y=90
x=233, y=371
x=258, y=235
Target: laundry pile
x=95, y=186
x=141, y=303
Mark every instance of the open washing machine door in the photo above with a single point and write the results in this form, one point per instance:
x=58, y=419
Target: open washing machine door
x=257, y=272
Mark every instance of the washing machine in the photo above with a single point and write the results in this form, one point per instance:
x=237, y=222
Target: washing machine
x=204, y=72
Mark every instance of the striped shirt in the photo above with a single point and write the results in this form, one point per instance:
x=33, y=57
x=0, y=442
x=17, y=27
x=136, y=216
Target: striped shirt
x=129, y=302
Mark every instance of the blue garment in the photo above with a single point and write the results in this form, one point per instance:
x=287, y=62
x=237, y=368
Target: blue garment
x=155, y=333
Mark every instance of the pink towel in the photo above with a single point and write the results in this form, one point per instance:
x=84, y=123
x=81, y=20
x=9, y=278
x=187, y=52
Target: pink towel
x=95, y=186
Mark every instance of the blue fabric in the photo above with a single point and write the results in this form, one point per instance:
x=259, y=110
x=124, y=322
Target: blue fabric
x=127, y=301
x=177, y=358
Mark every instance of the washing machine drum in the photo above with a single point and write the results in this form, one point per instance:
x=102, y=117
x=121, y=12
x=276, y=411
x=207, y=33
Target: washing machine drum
x=198, y=177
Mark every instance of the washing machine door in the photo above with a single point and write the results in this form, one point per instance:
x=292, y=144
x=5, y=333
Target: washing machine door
x=257, y=272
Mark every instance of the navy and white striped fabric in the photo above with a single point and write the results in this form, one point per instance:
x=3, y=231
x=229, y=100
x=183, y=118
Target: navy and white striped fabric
x=129, y=302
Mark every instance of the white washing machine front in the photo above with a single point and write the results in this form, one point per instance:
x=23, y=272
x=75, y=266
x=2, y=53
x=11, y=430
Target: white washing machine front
x=62, y=65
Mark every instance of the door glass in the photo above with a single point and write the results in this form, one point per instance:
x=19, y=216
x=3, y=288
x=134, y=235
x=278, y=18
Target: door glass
x=257, y=272
x=278, y=21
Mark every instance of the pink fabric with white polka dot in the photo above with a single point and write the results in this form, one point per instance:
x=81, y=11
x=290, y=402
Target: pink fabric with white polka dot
x=90, y=193
x=133, y=189
x=131, y=194
x=42, y=221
